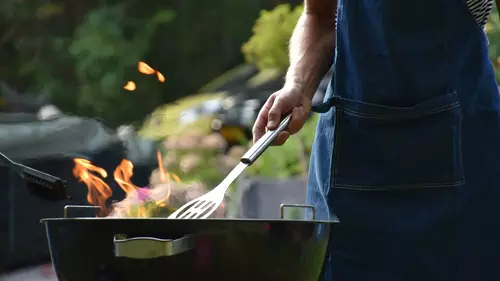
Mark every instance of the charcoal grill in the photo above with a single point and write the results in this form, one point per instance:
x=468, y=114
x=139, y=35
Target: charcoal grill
x=132, y=249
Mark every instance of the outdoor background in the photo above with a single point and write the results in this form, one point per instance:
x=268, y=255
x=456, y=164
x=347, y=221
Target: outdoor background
x=129, y=79
x=79, y=55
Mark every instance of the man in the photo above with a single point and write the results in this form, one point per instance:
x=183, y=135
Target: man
x=408, y=155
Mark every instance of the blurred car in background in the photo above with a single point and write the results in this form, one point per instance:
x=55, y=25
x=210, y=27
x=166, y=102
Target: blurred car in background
x=235, y=119
x=12, y=101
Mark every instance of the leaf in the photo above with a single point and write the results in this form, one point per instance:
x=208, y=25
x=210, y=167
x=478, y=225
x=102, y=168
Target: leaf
x=268, y=46
x=163, y=16
x=49, y=10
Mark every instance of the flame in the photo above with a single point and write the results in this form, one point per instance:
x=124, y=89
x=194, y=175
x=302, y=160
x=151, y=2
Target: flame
x=130, y=86
x=164, y=175
x=123, y=173
x=160, y=76
x=99, y=192
x=145, y=68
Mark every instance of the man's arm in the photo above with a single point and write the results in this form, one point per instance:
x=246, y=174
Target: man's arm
x=312, y=45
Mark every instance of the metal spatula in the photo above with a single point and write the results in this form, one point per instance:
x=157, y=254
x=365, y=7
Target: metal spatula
x=203, y=206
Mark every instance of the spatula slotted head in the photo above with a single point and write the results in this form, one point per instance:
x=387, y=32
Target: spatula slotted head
x=200, y=208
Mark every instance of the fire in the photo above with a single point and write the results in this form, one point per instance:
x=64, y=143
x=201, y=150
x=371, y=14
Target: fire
x=160, y=76
x=122, y=176
x=99, y=192
x=145, y=69
x=130, y=86
x=165, y=176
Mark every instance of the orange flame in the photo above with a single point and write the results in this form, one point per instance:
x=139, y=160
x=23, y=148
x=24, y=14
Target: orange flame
x=164, y=175
x=145, y=68
x=160, y=76
x=123, y=173
x=130, y=86
x=99, y=192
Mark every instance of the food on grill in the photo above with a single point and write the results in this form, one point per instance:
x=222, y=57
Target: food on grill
x=159, y=201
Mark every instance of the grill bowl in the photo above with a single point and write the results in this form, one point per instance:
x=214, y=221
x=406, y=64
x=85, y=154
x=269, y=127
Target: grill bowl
x=104, y=249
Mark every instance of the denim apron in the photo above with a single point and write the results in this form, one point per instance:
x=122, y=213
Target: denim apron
x=407, y=148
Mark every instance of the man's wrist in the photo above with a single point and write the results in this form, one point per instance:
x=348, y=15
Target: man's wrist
x=292, y=80
x=305, y=87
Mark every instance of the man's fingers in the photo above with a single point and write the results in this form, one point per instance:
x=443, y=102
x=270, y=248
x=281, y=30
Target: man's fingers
x=274, y=116
x=280, y=104
x=259, y=127
x=297, y=121
x=282, y=137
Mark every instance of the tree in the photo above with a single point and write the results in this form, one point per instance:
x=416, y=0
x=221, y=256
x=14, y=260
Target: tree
x=81, y=53
x=268, y=46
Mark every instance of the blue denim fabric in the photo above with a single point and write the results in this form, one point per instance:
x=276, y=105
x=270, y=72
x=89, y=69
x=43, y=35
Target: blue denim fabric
x=407, y=148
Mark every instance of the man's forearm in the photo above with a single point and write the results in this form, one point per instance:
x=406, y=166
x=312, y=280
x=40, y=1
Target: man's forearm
x=311, y=50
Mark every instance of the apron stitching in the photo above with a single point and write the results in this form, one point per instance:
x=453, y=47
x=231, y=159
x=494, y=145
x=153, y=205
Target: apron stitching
x=409, y=186
x=338, y=99
x=461, y=148
x=336, y=144
x=394, y=117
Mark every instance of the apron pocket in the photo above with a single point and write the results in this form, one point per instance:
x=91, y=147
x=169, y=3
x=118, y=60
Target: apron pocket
x=380, y=147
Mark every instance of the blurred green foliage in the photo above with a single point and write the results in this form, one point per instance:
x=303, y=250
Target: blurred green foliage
x=81, y=53
x=106, y=68
x=268, y=46
x=493, y=32
x=289, y=160
x=208, y=171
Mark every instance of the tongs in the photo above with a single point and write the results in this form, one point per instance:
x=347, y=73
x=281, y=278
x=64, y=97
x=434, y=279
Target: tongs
x=203, y=206
x=40, y=184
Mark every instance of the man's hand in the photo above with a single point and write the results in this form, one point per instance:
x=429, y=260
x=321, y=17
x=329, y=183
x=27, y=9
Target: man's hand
x=290, y=99
x=311, y=54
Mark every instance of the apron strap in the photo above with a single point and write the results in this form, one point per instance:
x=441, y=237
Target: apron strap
x=325, y=106
x=332, y=101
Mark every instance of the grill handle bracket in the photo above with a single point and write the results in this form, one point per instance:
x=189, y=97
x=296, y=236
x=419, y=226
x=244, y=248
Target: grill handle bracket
x=71, y=211
x=283, y=206
x=150, y=247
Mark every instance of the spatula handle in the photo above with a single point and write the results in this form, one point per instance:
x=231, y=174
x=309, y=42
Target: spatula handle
x=264, y=142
